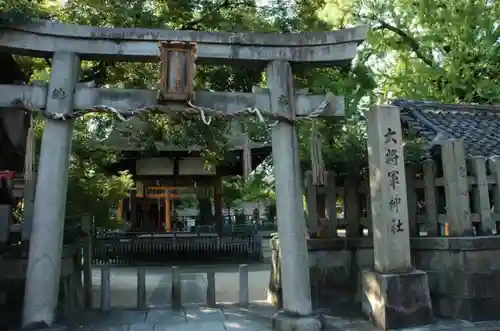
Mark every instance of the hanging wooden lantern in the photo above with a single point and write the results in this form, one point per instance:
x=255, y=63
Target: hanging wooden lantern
x=177, y=70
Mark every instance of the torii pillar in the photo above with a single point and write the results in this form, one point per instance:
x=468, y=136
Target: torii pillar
x=297, y=306
x=44, y=262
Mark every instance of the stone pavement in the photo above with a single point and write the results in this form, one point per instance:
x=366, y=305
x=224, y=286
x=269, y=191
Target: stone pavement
x=192, y=318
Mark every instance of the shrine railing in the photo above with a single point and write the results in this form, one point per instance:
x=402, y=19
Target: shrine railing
x=169, y=248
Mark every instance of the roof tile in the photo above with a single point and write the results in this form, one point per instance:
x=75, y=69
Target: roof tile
x=477, y=125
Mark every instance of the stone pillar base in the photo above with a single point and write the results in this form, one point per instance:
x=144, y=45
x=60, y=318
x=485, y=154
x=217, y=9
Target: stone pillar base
x=286, y=322
x=395, y=301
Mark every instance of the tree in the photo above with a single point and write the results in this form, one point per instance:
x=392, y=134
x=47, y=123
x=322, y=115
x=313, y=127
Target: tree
x=433, y=50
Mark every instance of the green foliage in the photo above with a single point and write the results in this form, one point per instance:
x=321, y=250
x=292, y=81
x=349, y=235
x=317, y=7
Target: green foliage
x=258, y=187
x=21, y=11
x=92, y=190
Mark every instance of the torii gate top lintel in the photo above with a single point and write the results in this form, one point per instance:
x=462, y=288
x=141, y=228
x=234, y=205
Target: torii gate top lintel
x=43, y=38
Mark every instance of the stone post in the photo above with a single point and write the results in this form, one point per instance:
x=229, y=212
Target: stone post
x=297, y=307
x=456, y=188
x=395, y=295
x=44, y=264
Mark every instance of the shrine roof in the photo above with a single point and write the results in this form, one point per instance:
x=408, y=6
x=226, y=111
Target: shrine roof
x=477, y=125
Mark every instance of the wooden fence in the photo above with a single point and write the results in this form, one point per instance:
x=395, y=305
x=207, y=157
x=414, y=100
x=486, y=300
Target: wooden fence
x=448, y=195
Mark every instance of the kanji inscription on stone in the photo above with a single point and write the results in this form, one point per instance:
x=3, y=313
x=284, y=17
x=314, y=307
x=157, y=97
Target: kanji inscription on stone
x=397, y=226
x=394, y=203
x=392, y=156
x=283, y=100
x=58, y=94
x=393, y=178
x=390, y=136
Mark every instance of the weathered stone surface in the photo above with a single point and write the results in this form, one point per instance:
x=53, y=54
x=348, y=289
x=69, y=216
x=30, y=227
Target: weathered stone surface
x=129, y=99
x=125, y=44
x=294, y=262
x=285, y=322
x=165, y=316
x=457, y=268
x=388, y=191
x=396, y=301
x=44, y=263
x=204, y=314
x=242, y=325
x=469, y=309
x=329, y=272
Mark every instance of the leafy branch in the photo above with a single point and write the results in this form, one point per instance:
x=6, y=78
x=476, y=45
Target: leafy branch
x=410, y=41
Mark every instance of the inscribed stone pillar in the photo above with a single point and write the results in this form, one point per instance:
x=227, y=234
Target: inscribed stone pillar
x=391, y=237
x=291, y=223
x=44, y=264
x=394, y=295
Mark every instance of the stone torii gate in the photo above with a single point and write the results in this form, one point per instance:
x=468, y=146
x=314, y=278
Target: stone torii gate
x=69, y=44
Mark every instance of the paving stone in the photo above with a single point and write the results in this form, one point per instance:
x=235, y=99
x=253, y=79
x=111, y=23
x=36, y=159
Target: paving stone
x=245, y=325
x=158, y=316
x=259, y=310
x=124, y=317
x=204, y=314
